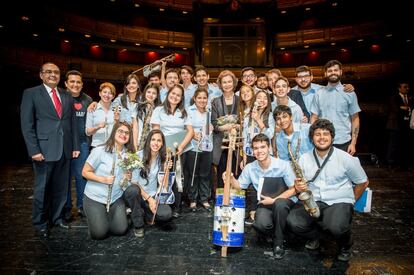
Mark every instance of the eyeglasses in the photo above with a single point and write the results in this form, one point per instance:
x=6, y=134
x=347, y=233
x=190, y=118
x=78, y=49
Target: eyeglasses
x=303, y=76
x=122, y=132
x=249, y=76
x=56, y=72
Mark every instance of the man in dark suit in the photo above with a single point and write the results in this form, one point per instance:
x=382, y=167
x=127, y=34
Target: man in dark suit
x=400, y=142
x=49, y=129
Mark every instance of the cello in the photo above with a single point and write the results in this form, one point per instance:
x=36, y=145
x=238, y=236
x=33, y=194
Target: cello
x=230, y=207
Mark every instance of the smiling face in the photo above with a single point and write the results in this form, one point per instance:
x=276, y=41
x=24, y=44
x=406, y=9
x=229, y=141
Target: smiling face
x=185, y=76
x=261, y=99
x=74, y=84
x=333, y=74
x=50, y=75
x=151, y=94
x=246, y=93
x=156, y=143
x=322, y=139
x=172, y=79
x=106, y=95
x=281, y=88
x=132, y=86
x=175, y=96
x=249, y=78
x=304, y=79
x=201, y=100
x=284, y=121
x=227, y=84
x=201, y=78
x=122, y=135
x=260, y=150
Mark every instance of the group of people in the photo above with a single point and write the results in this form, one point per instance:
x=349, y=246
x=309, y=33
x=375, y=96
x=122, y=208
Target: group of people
x=314, y=126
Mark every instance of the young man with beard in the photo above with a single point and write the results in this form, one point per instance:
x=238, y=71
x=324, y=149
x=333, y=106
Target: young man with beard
x=331, y=102
x=271, y=214
x=332, y=189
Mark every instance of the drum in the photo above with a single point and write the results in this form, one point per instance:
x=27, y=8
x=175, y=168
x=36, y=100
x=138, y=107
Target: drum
x=229, y=220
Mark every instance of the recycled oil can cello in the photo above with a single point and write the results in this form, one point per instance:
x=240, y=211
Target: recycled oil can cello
x=229, y=211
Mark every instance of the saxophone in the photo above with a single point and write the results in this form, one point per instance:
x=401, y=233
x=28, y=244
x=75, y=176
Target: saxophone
x=146, y=125
x=306, y=196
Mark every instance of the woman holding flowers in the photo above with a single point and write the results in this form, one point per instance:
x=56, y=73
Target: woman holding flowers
x=140, y=195
x=102, y=201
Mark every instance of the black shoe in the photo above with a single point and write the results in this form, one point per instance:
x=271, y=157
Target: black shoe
x=278, y=251
x=42, y=233
x=249, y=221
x=139, y=232
x=344, y=255
x=207, y=206
x=312, y=244
x=68, y=215
x=62, y=225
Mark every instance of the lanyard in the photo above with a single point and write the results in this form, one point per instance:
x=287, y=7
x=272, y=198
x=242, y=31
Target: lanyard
x=318, y=163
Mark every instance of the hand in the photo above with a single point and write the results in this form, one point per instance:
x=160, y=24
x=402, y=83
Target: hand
x=152, y=204
x=128, y=176
x=38, y=157
x=75, y=154
x=179, y=150
x=101, y=125
x=92, y=107
x=169, y=165
x=108, y=180
x=351, y=149
x=266, y=200
x=225, y=178
x=255, y=115
x=116, y=116
x=304, y=119
x=198, y=136
x=241, y=165
x=349, y=88
x=300, y=185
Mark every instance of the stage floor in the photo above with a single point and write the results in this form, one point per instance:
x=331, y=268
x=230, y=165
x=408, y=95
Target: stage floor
x=383, y=240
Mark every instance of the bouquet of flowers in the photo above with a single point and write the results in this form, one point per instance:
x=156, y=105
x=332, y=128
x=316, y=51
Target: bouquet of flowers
x=223, y=120
x=130, y=162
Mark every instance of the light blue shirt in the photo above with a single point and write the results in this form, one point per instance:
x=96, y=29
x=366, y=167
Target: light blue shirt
x=150, y=186
x=169, y=124
x=189, y=93
x=250, y=132
x=163, y=94
x=96, y=117
x=198, y=121
x=213, y=92
x=308, y=96
x=102, y=162
x=126, y=114
x=334, y=104
x=299, y=131
x=297, y=113
x=334, y=183
x=252, y=173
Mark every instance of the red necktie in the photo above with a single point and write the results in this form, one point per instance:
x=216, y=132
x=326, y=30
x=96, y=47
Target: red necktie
x=56, y=101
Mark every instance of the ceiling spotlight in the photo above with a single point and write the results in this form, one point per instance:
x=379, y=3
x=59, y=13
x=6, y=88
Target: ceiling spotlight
x=113, y=40
x=185, y=12
x=87, y=35
x=61, y=30
x=307, y=9
x=136, y=5
x=137, y=44
x=306, y=46
x=161, y=9
x=25, y=18
x=184, y=49
x=333, y=43
x=334, y=4
x=35, y=35
x=283, y=12
x=66, y=41
x=282, y=49
x=360, y=40
x=389, y=35
x=162, y=47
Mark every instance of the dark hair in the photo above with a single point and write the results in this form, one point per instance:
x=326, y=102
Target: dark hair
x=142, y=105
x=154, y=74
x=110, y=143
x=302, y=69
x=200, y=68
x=323, y=124
x=261, y=138
x=266, y=111
x=332, y=63
x=171, y=70
x=197, y=92
x=247, y=69
x=146, y=158
x=73, y=72
x=124, y=96
x=261, y=75
x=187, y=68
x=180, y=106
x=280, y=109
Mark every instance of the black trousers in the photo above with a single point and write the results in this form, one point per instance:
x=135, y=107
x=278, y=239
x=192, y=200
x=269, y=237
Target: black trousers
x=141, y=210
x=251, y=193
x=271, y=219
x=200, y=189
x=335, y=219
x=100, y=222
x=49, y=191
x=343, y=146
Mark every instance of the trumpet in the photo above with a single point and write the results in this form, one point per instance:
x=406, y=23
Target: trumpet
x=155, y=66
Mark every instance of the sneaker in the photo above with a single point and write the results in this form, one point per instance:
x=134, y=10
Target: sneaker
x=278, y=252
x=249, y=221
x=193, y=207
x=344, y=255
x=312, y=244
x=175, y=214
x=139, y=232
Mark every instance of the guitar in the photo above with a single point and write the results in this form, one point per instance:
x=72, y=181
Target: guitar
x=206, y=143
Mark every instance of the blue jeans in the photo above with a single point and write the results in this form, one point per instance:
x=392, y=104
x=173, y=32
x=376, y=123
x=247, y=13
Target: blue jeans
x=76, y=166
